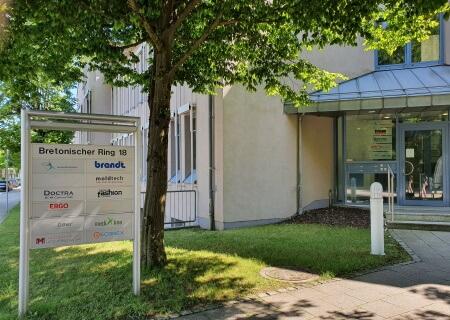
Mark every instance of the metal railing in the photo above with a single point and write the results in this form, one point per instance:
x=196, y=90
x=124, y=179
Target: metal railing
x=181, y=209
x=391, y=191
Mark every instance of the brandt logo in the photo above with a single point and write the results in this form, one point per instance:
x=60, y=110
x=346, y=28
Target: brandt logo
x=109, y=179
x=109, y=165
x=108, y=222
x=106, y=193
x=60, y=194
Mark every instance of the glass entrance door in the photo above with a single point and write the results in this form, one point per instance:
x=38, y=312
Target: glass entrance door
x=423, y=174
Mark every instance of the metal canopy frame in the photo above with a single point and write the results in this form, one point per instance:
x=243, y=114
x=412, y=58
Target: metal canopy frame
x=383, y=91
x=72, y=122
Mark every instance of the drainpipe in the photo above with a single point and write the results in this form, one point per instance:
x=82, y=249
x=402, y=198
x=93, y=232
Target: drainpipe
x=212, y=223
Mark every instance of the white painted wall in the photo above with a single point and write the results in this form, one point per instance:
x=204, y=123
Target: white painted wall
x=94, y=89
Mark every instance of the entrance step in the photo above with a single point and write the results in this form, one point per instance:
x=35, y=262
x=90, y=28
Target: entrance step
x=419, y=225
x=420, y=216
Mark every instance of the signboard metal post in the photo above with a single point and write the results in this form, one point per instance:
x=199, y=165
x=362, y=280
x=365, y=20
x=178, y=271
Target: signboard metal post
x=91, y=193
x=24, y=210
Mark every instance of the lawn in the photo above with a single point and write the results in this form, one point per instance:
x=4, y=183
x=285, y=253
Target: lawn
x=94, y=281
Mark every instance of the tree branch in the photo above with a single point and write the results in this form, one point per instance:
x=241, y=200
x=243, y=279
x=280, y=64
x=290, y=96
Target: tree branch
x=131, y=45
x=196, y=44
x=155, y=40
x=190, y=6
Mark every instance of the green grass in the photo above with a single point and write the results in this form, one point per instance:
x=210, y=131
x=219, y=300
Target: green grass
x=94, y=281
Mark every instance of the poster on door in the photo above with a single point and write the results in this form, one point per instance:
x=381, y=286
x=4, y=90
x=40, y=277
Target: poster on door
x=380, y=147
x=81, y=194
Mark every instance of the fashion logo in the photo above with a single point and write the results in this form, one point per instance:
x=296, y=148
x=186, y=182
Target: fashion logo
x=106, y=193
x=108, y=222
x=109, y=165
x=60, y=194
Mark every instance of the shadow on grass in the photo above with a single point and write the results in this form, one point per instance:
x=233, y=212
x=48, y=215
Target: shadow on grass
x=91, y=282
x=328, y=251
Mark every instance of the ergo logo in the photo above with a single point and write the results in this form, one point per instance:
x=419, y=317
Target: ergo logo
x=56, y=206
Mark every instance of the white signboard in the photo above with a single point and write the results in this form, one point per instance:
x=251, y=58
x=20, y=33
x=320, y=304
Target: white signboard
x=76, y=194
x=81, y=194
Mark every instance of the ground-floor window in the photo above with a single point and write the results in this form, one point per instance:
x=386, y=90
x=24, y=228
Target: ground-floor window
x=182, y=147
x=415, y=146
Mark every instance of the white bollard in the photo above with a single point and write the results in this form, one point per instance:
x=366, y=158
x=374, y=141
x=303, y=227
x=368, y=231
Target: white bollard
x=376, y=219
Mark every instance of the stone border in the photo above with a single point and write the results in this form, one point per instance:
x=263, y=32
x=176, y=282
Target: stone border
x=255, y=297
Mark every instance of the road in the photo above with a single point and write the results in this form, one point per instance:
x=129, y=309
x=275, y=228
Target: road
x=13, y=199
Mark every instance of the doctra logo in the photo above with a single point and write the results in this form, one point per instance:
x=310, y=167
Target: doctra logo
x=58, y=194
x=109, y=165
x=107, y=193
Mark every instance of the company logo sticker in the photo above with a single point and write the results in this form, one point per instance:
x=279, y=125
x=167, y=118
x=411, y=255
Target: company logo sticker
x=64, y=224
x=59, y=194
x=107, y=234
x=107, y=193
x=109, y=165
x=108, y=222
x=58, y=206
x=51, y=166
x=109, y=179
x=67, y=238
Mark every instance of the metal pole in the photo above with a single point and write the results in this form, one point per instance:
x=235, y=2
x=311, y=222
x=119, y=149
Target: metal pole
x=24, y=250
x=7, y=180
x=393, y=190
x=137, y=213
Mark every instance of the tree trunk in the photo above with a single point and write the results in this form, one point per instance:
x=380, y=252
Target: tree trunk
x=153, y=252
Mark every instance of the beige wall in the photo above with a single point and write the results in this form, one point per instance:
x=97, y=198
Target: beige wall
x=259, y=164
x=350, y=61
x=259, y=158
x=447, y=42
x=316, y=162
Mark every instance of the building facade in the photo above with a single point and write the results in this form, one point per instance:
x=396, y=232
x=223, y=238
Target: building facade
x=251, y=159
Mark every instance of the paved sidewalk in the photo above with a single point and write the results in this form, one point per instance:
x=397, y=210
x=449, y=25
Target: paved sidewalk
x=419, y=290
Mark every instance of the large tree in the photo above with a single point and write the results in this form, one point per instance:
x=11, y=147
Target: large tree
x=204, y=44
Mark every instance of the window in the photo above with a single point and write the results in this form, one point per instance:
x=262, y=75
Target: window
x=174, y=150
x=182, y=148
x=427, y=51
x=370, y=138
x=187, y=146
x=145, y=153
x=191, y=149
